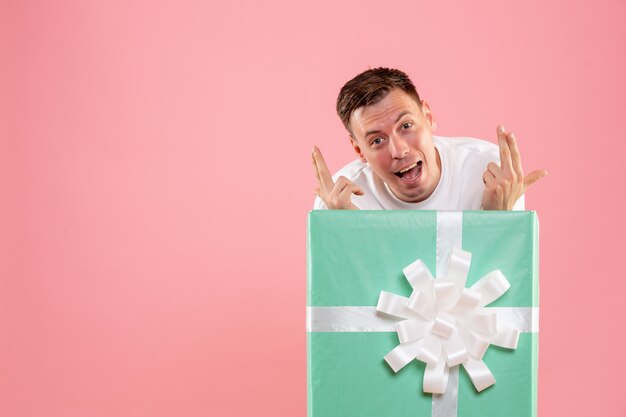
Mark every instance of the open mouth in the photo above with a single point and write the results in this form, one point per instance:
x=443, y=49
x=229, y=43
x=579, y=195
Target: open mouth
x=411, y=172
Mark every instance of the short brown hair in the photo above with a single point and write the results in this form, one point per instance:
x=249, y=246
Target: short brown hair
x=370, y=87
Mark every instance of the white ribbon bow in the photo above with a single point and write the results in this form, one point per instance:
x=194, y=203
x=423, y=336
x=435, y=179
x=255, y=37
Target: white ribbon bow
x=447, y=324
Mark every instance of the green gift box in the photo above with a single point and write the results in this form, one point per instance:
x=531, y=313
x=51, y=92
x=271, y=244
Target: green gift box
x=354, y=255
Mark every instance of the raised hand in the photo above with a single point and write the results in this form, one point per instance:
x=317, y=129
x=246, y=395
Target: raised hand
x=336, y=195
x=505, y=183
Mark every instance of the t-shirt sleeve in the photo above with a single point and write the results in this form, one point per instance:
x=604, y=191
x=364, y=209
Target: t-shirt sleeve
x=318, y=204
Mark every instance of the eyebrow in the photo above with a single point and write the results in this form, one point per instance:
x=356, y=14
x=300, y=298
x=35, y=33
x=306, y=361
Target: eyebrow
x=400, y=116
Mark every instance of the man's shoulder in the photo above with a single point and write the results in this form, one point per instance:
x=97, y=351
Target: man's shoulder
x=466, y=151
x=468, y=144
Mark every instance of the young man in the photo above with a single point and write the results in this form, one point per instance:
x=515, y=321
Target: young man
x=401, y=165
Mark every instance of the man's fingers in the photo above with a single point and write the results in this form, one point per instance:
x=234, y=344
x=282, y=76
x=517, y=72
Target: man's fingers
x=350, y=189
x=321, y=171
x=505, y=151
x=495, y=170
x=344, y=184
x=534, y=176
x=516, y=159
x=357, y=190
x=336, y=195
x=341, y=195
x=505, y=183
x=488, y=178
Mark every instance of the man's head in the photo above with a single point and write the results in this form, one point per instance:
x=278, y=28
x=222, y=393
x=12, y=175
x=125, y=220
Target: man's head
x=391, y=129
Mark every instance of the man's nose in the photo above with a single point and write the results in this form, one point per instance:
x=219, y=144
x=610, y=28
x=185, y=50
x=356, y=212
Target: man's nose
x=398, y=147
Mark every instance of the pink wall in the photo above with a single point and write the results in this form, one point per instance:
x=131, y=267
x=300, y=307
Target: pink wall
x=155, y=179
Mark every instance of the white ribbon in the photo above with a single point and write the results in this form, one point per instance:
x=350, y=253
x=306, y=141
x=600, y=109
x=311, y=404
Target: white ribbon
x=449, y=236
x=446, y=324
x=367, y=319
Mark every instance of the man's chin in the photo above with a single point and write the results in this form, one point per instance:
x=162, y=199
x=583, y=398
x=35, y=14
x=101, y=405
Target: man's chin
x=410, y=194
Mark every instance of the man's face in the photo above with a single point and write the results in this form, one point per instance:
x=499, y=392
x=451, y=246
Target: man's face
x=395, y=138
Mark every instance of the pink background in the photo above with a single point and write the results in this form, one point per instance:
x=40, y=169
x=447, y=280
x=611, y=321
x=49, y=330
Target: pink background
x=155, y=180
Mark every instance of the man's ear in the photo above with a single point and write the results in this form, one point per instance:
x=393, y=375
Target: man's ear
x=430, y=117
x=357, y=149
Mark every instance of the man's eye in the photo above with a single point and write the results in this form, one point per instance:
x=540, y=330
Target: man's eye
x=377, y=141
x=407, y=125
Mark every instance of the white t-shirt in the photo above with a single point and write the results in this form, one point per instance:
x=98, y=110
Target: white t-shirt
x=460, y=187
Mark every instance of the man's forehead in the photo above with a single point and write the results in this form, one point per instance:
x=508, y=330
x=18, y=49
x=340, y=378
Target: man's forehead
x=388, y=110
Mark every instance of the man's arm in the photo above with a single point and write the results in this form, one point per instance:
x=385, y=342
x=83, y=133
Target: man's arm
x=506, y=183
x=336, y=195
